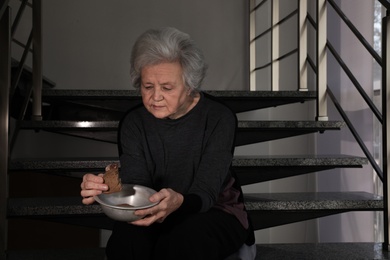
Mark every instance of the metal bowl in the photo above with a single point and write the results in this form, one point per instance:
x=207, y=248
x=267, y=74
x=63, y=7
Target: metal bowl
x=121, y=205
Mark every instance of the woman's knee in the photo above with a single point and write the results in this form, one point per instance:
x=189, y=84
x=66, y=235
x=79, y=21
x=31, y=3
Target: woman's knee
x=130, y=242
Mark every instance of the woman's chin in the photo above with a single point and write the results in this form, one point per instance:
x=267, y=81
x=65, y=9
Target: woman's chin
x=160, y=115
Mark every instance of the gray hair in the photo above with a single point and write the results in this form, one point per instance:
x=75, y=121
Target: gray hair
x=168, y=45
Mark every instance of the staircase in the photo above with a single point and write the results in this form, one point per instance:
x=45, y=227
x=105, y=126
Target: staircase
x=94, y=115
x=266, y=210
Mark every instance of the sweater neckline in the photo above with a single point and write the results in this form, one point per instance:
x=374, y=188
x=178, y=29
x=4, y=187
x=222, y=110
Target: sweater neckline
x=194, y=109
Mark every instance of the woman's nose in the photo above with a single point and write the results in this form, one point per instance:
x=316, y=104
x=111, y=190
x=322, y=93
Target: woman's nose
x=157, y=95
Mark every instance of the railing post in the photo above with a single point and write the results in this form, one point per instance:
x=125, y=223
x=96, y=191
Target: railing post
x=275, y=45
x=5, y=84
x=322, y=114
x=252, y=44
x=302, y=25
x=386, y=120
x=37, y=60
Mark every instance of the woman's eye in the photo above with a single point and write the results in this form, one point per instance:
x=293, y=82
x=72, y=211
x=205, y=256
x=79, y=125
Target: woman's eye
x=167, y=88
x=148, y=87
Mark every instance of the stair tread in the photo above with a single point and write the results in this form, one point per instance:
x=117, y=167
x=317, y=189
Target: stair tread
x=321, y=251
x=301, y=201
x=298, y=160
x=248, y=132
x=57, y=254
x=238, y=161
x=50, y=206
x=114, y=101
x=94, y=93
x=56, y=124
x=313, y=201
x=296, y=251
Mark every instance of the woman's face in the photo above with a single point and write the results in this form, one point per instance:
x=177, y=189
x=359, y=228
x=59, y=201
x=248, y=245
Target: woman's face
x=163, y=91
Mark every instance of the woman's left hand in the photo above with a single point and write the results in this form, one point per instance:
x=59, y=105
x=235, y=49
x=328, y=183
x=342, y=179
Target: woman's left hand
x=170, y=201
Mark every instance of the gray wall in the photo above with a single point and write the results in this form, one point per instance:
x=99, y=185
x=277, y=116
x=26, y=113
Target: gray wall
x=87, y=43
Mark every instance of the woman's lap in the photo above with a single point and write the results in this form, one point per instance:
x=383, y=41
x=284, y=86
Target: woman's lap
x=210, y=235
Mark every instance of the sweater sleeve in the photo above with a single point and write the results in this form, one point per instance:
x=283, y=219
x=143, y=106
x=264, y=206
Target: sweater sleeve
x=216, y=158
x=192, y=203
x=134, y=168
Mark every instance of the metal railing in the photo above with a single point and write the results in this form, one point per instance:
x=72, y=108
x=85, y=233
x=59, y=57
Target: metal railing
x=386, y=121
x=5, y=81
x=33, y=45
x=7, y=88
x=324, y=48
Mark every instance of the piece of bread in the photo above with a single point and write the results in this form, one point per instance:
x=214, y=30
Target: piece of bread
x=111, y=178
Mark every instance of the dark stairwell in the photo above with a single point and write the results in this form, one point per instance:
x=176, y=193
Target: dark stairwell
x=276, y=159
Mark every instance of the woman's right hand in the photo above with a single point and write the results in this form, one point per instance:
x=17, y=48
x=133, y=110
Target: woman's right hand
x=92, y=185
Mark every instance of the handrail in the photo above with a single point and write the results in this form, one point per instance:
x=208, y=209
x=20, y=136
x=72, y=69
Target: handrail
x=358, y=35
x=355, y=134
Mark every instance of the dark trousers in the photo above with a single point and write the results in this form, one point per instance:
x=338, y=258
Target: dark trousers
x=211, y=235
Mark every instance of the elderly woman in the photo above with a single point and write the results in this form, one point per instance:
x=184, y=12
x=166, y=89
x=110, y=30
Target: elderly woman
x=180, y=142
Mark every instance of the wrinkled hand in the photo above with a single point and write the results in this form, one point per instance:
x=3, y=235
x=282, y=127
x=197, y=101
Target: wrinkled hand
x=92, y=185
x=170, y=201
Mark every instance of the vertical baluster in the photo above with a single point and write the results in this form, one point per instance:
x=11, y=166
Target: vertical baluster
x=302, y=25
x=322, y=114
x=37, y=60
x=5, y=83
x=252, y=44
x=275, y=45
x=386, y=120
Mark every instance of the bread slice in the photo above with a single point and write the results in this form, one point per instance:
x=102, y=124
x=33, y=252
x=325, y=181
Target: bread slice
x=111, y=178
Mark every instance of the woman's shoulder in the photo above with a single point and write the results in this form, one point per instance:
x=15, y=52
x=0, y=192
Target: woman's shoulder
x=217, y=106
x=134, y=114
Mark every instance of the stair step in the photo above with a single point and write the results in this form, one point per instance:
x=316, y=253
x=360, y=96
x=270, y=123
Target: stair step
x=57, y=254
x=321, y=251
x=254, y=169
x=247, y=133
x=266, y=210
x=250, y=169
x=61, y=164
x=122, y=100
x=304, y=251
x=296, y=207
